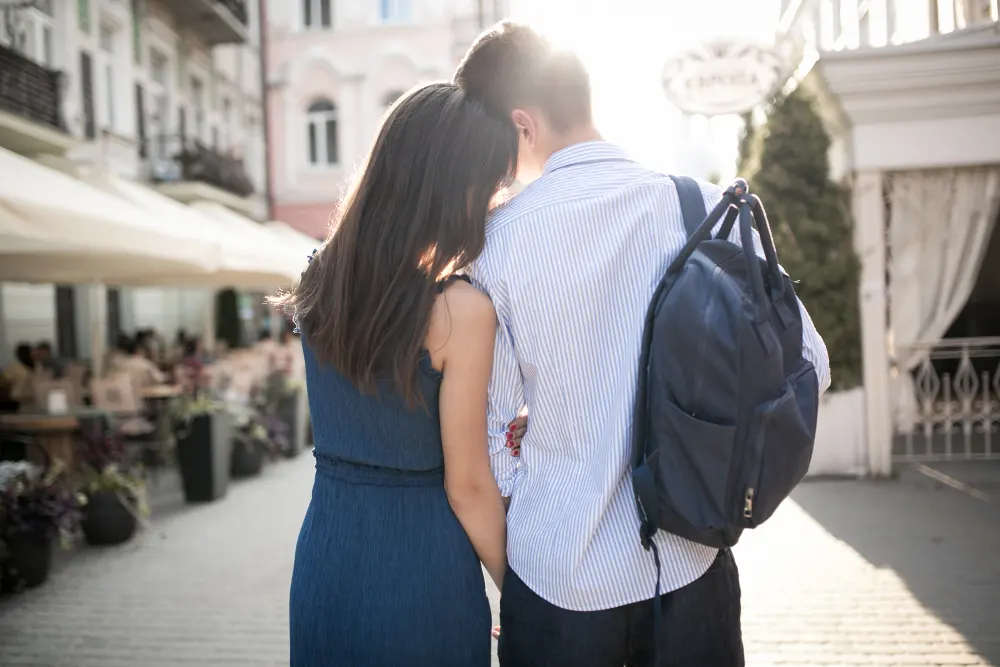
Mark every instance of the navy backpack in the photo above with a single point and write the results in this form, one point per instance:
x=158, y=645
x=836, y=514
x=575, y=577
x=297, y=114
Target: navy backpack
x=726, y=406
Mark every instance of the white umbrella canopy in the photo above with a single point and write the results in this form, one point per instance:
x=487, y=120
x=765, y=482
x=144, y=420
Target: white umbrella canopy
x=79, y=233
x=244, y=260
x=286, y=257
x=293, y=236
x=27, y=255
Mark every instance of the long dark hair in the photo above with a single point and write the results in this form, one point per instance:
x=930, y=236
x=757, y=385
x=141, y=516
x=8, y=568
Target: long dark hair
x=416, y=213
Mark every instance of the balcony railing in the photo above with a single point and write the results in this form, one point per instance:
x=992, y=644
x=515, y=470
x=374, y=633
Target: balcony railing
x=218, y=21
x=172, y=159
x=30, y=90
x=951, y=409
x=237, y=8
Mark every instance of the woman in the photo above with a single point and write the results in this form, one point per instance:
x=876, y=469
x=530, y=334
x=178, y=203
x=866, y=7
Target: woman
x=398, y=355
x=19, y=375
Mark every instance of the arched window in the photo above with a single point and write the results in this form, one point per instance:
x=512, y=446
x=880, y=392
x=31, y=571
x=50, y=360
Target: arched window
x=390, y=98
x=322, y=132
x=317, y=14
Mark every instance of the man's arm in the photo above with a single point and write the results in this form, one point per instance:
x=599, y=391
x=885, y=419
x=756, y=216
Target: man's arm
x=506, y=400
x=506, y=396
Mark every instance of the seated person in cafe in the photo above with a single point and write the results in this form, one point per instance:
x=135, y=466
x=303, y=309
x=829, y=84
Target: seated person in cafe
x=136, y=365
x=19, y=375
x=46, y=361
x=120, y=353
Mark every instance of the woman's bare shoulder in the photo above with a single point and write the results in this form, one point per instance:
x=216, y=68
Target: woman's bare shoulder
x=460, y=311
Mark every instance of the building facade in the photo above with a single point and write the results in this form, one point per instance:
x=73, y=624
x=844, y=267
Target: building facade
x=167, y=93
x=333, y=69
x=910, y=91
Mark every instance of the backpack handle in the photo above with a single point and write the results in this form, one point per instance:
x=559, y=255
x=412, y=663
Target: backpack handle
x=766, y=241
x=750, y=260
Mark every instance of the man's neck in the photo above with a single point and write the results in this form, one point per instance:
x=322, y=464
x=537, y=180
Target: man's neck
x=578, y=135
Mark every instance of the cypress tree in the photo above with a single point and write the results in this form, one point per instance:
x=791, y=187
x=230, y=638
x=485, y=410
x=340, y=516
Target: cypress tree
x=810, y=217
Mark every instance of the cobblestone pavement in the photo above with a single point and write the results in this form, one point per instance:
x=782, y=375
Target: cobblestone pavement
x=849, y=573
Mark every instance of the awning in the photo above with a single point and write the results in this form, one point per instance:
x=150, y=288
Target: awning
x=59, y=229
x=286, y=256
x=243, y=258
x=293, y=236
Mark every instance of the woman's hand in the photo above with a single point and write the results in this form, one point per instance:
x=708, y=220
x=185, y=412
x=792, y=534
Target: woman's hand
x=515, y=431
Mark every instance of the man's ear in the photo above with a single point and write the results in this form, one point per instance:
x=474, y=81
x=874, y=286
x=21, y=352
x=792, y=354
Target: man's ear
x=527, y=129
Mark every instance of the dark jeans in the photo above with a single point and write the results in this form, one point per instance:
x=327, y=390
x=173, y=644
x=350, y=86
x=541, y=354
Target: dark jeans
x=699, y=627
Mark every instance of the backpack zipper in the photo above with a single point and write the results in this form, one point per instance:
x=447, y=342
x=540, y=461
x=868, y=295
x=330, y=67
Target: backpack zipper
x=748, y=504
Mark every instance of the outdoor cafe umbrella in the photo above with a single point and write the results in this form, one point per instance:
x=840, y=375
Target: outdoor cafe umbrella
x=55, y=228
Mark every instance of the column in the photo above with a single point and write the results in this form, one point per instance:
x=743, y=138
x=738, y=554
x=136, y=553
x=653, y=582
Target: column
x=870, y=244
x=208, y=326
x=98, y=327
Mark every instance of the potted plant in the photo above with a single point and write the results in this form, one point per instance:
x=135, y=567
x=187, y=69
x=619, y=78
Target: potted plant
x=116, y=493
x=252, y=445
x=37, y=512
x=203, y=433
x=284, y=409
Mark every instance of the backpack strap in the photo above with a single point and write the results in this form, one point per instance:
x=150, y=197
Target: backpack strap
x=692, y=202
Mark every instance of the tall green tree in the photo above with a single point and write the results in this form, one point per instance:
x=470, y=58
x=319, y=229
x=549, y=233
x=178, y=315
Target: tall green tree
x=811, y=220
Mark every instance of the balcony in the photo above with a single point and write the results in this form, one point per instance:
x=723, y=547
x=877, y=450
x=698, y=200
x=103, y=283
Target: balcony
x=187, y=170
x=31, y=97
x=217, y=21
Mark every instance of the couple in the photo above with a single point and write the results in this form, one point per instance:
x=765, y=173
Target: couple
x=415, y=377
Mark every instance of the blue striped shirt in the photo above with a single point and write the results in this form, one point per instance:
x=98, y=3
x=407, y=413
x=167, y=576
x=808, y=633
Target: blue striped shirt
x=571, y=264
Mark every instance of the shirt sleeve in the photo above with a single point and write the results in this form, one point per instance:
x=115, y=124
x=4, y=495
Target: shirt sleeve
x=506, y=395
x=813, y=346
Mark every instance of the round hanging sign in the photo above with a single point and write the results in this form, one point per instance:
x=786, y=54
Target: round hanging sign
x=720, y=78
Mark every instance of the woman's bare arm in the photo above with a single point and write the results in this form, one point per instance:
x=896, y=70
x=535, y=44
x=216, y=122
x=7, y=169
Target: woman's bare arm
x=464, y=328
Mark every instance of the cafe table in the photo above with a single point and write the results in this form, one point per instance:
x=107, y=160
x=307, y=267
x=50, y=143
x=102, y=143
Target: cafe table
x=54, y=432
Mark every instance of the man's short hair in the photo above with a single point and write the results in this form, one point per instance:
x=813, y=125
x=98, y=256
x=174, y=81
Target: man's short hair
x=511, y=66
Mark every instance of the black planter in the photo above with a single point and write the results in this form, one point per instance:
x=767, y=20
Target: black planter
x=28, y=561
x=247, y=459
x=203, y=456
x=292, y=409
x=106, y=520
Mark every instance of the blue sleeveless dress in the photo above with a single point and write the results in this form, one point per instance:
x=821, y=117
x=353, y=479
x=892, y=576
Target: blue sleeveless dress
x=384, y=574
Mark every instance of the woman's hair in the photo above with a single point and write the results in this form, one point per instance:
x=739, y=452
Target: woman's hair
x=23, y=354
x=191, y=346
x=416, y=213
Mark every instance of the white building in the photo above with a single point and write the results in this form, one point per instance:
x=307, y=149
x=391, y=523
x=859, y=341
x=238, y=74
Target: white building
x=165, y=92
x=910, y=90
x=334, y=68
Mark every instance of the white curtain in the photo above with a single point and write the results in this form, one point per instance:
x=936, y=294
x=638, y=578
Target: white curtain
x=939, y=229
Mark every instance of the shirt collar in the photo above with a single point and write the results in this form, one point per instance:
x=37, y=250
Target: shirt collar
x=585, y=152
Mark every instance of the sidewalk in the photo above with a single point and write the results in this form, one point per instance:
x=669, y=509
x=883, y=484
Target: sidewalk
x=848, y=573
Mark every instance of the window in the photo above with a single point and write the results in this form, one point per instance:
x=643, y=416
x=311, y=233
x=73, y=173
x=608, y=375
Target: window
x=31, y=34
x=87, y=92
x=317, y=14
x=227, y=124
x=83, y=15
x=159, y=98
x=137, y=30
x=322, y=132
x=198, y=107
x=140, y=120
x=394, y=11
x=390, y=98
x=106, y=70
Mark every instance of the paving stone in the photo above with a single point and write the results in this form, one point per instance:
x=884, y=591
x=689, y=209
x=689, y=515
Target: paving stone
x=846, y=573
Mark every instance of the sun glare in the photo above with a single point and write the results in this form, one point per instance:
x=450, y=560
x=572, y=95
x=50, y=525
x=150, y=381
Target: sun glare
x=625, y=44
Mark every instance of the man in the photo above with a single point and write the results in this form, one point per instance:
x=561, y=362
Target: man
x=571, y=264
